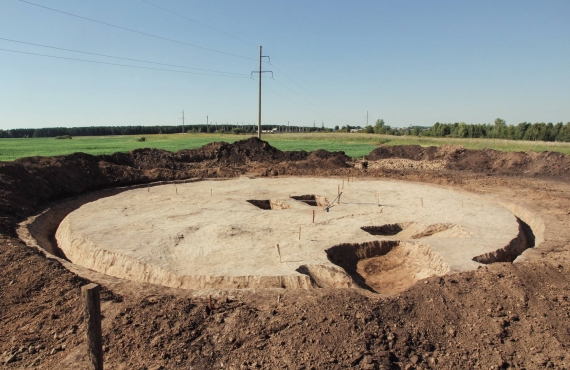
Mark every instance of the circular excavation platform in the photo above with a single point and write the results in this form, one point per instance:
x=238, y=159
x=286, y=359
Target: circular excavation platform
x=277, y=233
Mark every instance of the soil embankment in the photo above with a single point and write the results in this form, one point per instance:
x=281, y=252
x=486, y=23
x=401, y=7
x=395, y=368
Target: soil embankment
x=480, y=161
x=501, y=316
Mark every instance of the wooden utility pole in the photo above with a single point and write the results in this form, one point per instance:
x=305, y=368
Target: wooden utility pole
x=182, y=121
x=259, y=105
x=92, y=317
x=259, y=111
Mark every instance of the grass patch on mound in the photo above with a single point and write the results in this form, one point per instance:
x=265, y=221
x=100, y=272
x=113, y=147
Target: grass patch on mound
x=354, y=145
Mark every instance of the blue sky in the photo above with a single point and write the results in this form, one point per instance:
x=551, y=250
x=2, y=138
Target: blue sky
x=408, y=62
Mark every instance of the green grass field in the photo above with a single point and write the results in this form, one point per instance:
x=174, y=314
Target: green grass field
x=354, y=144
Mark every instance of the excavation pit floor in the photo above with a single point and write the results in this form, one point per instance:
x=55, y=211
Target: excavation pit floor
x=383, y=235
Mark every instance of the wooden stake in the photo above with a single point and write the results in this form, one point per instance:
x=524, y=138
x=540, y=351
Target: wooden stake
x=278, y=298
x=422, y=200
x=337, y=189
x=279, y=251
x=313, y=216
x=210, y=191
x=92, y=317
x=210, y=302
x=176, y=191
x=299, y=232
x=148, y=188
x=343, y=184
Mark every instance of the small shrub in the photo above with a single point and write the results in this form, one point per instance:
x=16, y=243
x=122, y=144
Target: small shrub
x=141, y=139
x=62, y=137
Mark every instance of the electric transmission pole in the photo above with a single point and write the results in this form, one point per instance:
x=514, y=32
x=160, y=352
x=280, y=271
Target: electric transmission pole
x=260, y=72
x=182, y=121
x=367, y=115
x=207, y=125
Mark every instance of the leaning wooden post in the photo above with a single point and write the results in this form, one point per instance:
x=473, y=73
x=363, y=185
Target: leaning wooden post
x=92, y=315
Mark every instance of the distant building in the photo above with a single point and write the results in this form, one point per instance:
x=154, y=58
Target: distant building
x=273, y=130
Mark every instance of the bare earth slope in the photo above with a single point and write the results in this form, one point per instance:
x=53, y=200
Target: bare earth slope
x=504, y=315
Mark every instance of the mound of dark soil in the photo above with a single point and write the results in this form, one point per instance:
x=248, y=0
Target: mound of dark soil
x=240, y=152
x=481, y=161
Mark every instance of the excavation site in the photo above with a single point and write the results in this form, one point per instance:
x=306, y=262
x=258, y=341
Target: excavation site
x=288, y=233
x=242, y=256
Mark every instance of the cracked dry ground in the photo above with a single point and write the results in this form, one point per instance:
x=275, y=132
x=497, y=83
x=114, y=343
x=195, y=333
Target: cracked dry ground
x=501, y=316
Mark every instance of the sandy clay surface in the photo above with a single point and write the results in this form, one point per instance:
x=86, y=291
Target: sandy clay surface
x=511, y=312
x=224, y=234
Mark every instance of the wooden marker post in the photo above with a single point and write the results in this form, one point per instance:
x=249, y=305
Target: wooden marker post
x=313, y=216
x=148, y=188
x=343, y=184
x=299, y=232
x=176, y=191
x=337, y=189
x=422, y=200
x=210, y=191
x=210, y=303
x=92, y=317
x=279, y=252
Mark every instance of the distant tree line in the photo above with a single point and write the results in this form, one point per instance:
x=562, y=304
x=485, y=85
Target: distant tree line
x=380, y=127
x=497, y=130
x=148, y=130
x=500, y=130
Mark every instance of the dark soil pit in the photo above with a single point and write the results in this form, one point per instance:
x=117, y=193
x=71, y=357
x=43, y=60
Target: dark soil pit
x=312, y=200
x=268, y=204
x=384, y=230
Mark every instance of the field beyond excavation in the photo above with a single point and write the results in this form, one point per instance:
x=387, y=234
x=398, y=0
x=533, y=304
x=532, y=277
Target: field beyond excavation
x=353, y=144
x=464, y=265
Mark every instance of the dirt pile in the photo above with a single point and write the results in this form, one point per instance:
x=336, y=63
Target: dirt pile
x=481, y=161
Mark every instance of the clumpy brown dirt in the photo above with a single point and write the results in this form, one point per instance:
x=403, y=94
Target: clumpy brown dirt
x=485, y=160
x=501, y=316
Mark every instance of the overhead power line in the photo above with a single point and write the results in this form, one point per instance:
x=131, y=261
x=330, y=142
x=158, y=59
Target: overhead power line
x=286, y=98
x=195, y=21
x=135, y=31
x=122, y=58
x=308, y=92
x=123, y=65
x=300, y=96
